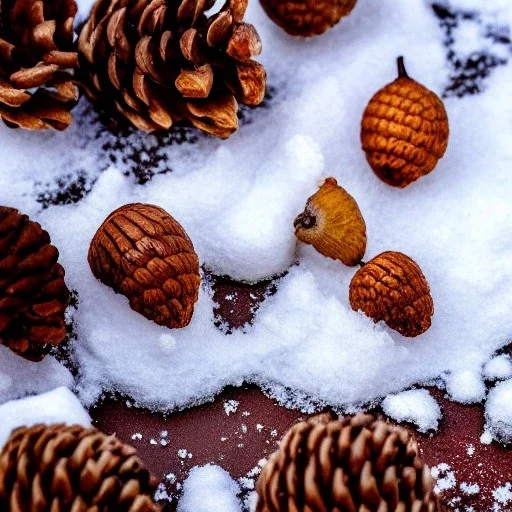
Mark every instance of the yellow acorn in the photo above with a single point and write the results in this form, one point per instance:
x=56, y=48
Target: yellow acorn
x=332, y=223
x=404, y=130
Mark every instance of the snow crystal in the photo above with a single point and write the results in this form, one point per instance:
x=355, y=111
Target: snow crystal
x=209, y=489
x=231, y=406
x=498, y=368
x=503, y=495
x=416, y=406
x=57, y=406
x=469, y=489
x=237, y=200
x=444, y=476
x=498, y=411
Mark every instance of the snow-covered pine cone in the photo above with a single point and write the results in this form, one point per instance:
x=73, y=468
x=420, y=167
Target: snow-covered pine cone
x=33, y=294
x=59, y=469
x=358, y=464
x=37, y=63
x=158, y=62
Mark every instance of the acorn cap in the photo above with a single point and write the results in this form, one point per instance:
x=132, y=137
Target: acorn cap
x=404, y=130
x=333, y=224
x=392, y=287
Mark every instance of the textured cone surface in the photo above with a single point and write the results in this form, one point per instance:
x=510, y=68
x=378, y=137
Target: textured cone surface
x=391, y=287
x=33, y=294
x=37, y=63
x=333, y=224
x=72, y=469
x=356, y=464
x=404, y=131
x=307, y=17
x=143, y=253
x=157, y=62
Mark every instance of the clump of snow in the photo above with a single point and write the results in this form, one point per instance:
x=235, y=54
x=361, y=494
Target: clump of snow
x=231, y=406
x=57, y=406
x=237, y=200
x=465, y=386
x=19, y=377
x=416, y=406
x=209, y=489
x=498, y=368
x=498, y=411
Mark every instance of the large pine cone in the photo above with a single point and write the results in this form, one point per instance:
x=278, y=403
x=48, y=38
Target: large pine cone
x=72, y=469
x=356, y=464
x=37, y=62
x=33, y=294
x=145, y=254
x=161, y=61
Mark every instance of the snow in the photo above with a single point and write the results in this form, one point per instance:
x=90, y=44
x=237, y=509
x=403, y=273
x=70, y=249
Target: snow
x=416, y=406
x=209, y=489
x=19, y=377
x=238, y=198
x=498, y=368
x=498, y=411
x=57, y=406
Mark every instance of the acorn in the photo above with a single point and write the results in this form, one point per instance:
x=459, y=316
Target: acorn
x=333, y=224
x=392, y=287
x=145, y=254
x=307, y=18
x=404, y=130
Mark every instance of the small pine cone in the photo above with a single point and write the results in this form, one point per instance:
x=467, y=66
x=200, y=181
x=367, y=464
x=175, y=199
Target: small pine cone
x=307, y=18
x=72, y=469
x=159, y=62
x=404, y=130
x=37, y=62
x=391, y=287
x=143, y=253
x=332, y=223
x=33, y=294
x=357, y=464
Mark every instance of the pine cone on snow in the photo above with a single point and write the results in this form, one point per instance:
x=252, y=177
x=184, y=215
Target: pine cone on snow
x=36, y=63
x=356, y=464
x=158, y=62
x=33, y=294
x=72, y=469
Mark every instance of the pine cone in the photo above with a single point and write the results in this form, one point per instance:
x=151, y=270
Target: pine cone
x=404, y=130
x=357, y=464
x=33, y=294
x=158, y=62
x=72, y=469
x=145, y=254
x=307, y=18
x=36, y=63
x=392, y=287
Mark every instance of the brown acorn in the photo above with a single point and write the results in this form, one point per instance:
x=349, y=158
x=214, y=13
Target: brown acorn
x=57, y=468
x=354, y=464
x=391, y=287
x=404, y=130
x=332, y=223
x=307, y=18
x=145, y=254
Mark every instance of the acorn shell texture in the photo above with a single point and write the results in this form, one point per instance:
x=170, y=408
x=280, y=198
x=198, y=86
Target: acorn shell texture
x=307, y=18
x=404, y=131
x=333, y=224
x=391, y=287
x=144, y=253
